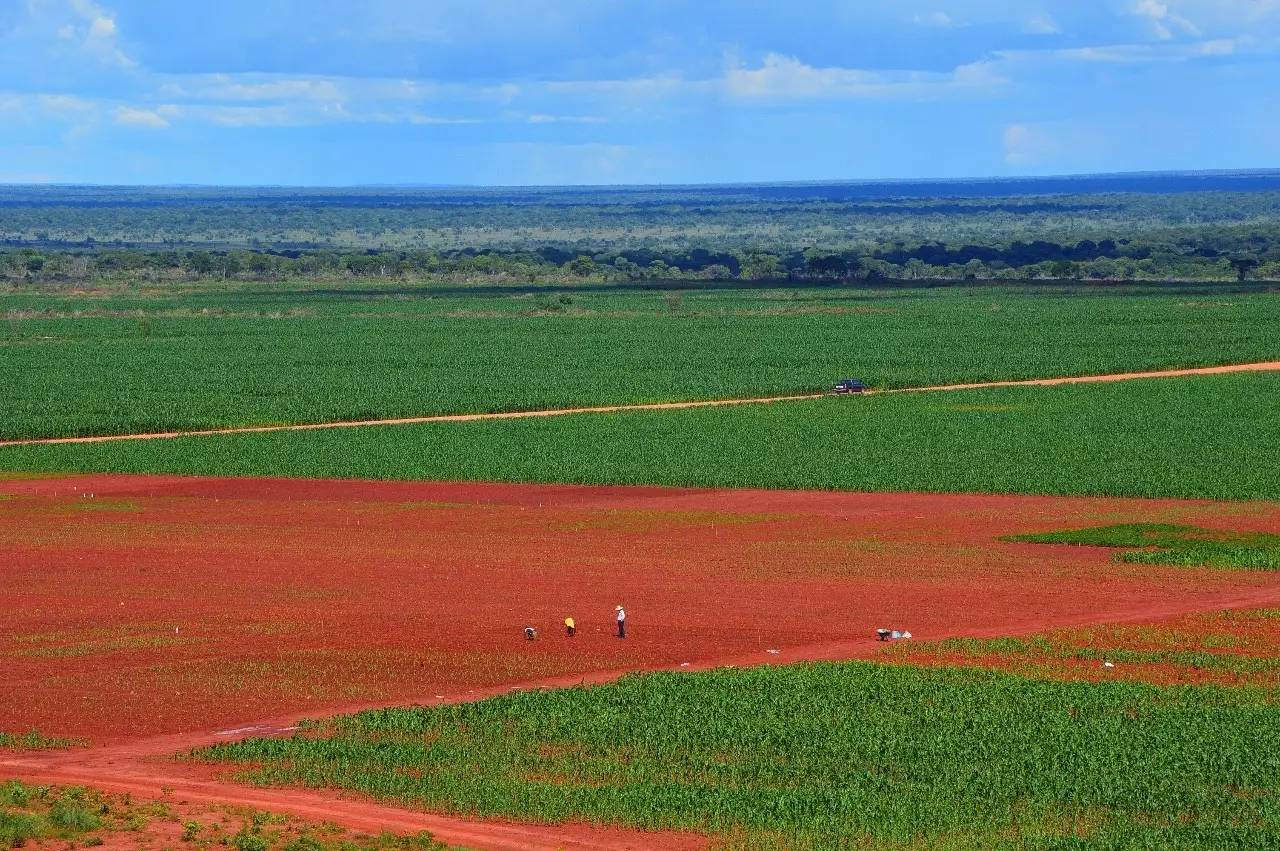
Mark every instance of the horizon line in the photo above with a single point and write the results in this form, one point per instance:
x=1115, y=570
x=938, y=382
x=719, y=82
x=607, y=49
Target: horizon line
x=835, y=181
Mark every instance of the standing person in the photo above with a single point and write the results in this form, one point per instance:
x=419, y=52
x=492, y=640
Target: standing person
x=622, y=621
x=569, y=629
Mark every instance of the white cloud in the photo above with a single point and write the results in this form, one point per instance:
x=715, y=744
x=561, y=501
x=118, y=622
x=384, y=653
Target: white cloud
x=301, y=114
x=74, y=115
x=633, y=88
x=935, y=19
x=1142, y=53
x=47, y=106
x=65, y=105
x=100, y=36
x=544, y=118
x=1164, y=23
x=134, y=117
x=82, y=37
x=277, y=115
x=418, y=118
x=252, y=87
x=787, y=78
x=1041, y=23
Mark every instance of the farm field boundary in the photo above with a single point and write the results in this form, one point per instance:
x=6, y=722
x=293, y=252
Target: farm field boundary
x=1262, y=366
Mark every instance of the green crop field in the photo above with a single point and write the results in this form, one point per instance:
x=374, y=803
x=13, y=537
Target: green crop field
x=1162, y=543
x=826, y=755
x=185, y=357
x=1212, y=436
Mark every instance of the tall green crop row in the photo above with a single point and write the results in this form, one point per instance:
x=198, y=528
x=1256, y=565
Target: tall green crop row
x=1215, y=437
x=826, y=754
x=190, y=359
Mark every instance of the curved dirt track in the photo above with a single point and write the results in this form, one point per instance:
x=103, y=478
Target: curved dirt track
x=1263, y=366
x=141, y=767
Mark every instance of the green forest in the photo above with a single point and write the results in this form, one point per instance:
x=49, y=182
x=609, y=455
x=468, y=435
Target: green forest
x=1130, y=228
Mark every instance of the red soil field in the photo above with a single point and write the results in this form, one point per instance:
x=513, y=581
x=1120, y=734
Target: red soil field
x=138, y=606
x=153, y=614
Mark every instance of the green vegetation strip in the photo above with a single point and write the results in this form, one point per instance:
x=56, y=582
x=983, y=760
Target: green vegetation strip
x=33, y=740
x=1211, y=437
x=193, y=357
x=1187, y=546
x=826, y=755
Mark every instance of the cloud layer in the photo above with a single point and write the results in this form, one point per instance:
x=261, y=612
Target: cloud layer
x=566, y=91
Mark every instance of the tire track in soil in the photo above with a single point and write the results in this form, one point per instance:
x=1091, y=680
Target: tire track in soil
x=1263, y=366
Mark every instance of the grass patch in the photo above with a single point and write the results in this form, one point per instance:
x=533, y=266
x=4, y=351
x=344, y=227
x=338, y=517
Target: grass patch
x=32, y=740
x=1160, y=543
x=825, y=755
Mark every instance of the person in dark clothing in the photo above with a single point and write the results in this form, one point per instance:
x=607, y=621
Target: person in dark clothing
x=622, y=621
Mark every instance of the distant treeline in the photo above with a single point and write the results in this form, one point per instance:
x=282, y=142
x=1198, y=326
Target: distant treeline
x=1083, y=260
x=1112, y=227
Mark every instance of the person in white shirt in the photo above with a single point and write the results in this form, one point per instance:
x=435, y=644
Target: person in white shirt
x=622, y=621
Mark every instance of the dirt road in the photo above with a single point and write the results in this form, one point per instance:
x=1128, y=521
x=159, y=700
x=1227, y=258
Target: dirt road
x=1265, y=366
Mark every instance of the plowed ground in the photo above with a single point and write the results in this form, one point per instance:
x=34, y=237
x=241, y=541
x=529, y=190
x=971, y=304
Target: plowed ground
x=138, y=606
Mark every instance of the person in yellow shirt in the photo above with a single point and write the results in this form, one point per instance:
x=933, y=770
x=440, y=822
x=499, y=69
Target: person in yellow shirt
x=569, y=629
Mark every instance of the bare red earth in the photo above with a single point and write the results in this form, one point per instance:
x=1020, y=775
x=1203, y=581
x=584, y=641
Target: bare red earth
x=207, y=602
x=152, y=613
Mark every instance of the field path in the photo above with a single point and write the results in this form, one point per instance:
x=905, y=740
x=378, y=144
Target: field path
x=143, y=767
x=1263, y=366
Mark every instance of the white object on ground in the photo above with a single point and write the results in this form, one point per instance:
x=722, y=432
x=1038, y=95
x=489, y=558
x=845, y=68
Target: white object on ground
x=1108, y=665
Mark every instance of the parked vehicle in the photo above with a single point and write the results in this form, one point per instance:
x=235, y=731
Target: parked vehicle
x=849, y=385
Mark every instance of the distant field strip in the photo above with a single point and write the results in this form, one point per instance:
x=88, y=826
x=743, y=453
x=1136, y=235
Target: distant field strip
x=1203, y=436
x=155, y=360
x=1265, y=366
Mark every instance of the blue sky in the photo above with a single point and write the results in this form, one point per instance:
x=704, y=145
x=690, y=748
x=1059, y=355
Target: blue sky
x=339, y=92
